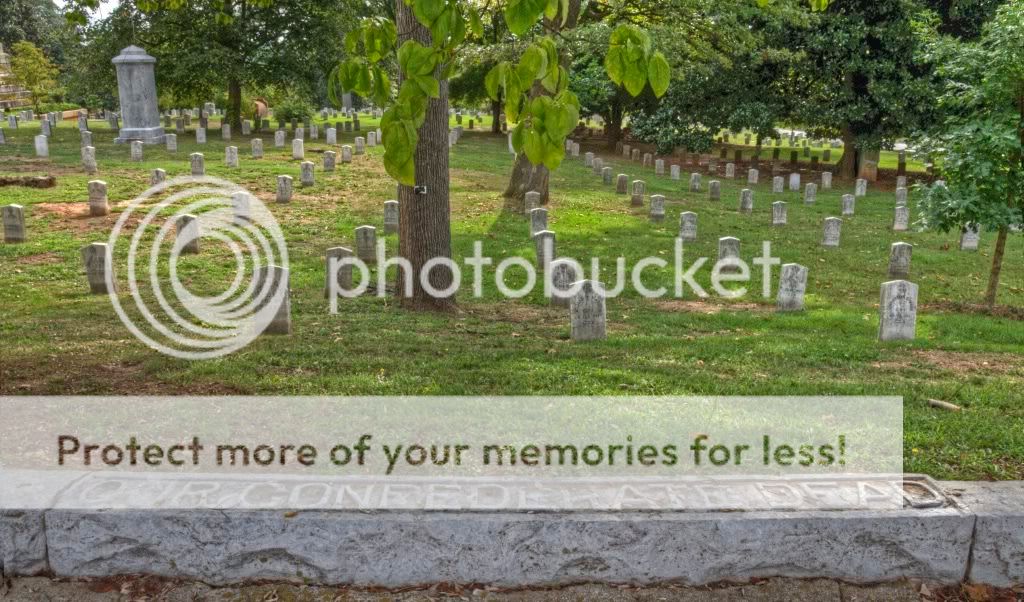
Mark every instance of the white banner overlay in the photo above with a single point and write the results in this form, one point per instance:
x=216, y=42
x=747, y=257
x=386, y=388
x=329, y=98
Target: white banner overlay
x=453, y=453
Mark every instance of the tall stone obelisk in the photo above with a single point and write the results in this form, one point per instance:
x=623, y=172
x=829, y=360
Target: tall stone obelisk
x=136, y=87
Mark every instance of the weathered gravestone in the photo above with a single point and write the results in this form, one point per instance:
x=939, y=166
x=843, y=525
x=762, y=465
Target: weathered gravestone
x=752, y=176
x=544, y=245
x=730, y=170
x=622, y=184
x=366, y=244
x=779, y=213
x=42, y=146
x=901, y=221
x=330, y=160
x=810, y=193
x=170, y=142
x=136, y=150
x=538, y=220
x=306, y=176
x=187, y=238
x=531, y=200
x=674, y=171
x=901, y=197
x=284, y=189
x=898, y=311
x=346, y=154
x=637, y=198
x=587, y=312
x=94, y=257
x=831, y=232
x=274, y=306
x=231, y=156
x=298, y=149
x=89, y=159
x=391, y=217
x=341, y=273
x=657, y=213
x=659, y=167
x=792, y=288
x=14, y=223
x=241, y=206
x=849, y=204
x=861, y=187
x=279, y=137
x=157, y=176
x=225, y=132
x=197, y=164
x=257, y=148
x=746, y=201
x=794, y=182
x=98, y=203
x=695, y=182
x=970, y=236
x=360, y=145
x=900, y=254
x=136, y=88
x=563, y=273
x=332, y=138
x=200, y=135
x=728, y=254
x=606, y=175
x=688, y=226
x=714, y=190
x=778, y=185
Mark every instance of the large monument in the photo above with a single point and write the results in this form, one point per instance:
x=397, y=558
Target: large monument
x=136, y=87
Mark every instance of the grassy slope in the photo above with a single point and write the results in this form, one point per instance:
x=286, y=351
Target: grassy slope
x=59, y=340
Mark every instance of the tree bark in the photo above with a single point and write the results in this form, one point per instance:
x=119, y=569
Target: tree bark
x=495, y=116
x=848, y=164
x=613, y=129
x=425, y=219
x=234, y=108
x=997, y=267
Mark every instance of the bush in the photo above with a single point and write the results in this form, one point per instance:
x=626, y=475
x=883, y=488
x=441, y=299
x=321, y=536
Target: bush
x=293, y=107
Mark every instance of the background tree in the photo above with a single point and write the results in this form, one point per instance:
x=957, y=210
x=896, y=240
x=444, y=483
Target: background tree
x=36, y=21
x=739, y=80
x=207, y=47
x=861, y=82
x=981, y=137
x=33, y=71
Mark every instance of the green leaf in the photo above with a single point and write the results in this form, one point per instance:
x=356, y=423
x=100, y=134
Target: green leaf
x=495, y=80
x=532, y=65
x=658, y=74
x=427, y=11
x=517, y=137
x=475, y=24
x=521, y=15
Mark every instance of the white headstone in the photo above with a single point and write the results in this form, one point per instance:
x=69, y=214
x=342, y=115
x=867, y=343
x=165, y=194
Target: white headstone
x=826, y=180
x=544, y=244
x=657, y=207
x=849, y=204
x=752, y=175
x=257, y=148
x=136, y=150
x=970, y=236
x=42, y=146
x=898, y=311
x=901, y=221
x=587, y=312
x=900, y=254
x=98, y=203
x=14, y=223
x=366, y=243
x=792, y=287
x=197, y=163
x=779, y=213
x=284, y=189
x=688, y=226
x=276, y=304
x=391, y=216
x=187, y=233
x=94, y=257
x=831, y=232
x=306, y=176
x=861, y=187
x=746, y=201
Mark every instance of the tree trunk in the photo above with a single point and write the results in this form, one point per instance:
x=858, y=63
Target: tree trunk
x=997, y=267
x=613, y=129
x=495, y=116
x=525, y=176
x=847, y=165
x=234, y=108
x=425, y=219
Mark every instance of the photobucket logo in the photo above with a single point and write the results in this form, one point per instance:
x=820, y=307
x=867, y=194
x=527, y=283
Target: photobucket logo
x=349, y=276
x=169, y=233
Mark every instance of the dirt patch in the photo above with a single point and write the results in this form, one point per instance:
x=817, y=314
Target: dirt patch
x=29, y=181
x=75, y=216
x=34, y=377
x=999, y=311
x=965, y=364
x=39, y=259
x=517, y=313
x=706, y=307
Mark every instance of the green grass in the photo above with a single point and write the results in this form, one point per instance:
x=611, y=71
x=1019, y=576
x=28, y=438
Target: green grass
x=57, y=339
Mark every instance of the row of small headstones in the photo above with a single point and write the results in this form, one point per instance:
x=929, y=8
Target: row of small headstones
x=899, y=297
x=793, y=138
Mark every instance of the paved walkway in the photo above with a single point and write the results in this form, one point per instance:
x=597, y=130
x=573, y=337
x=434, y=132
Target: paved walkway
x=153, y=590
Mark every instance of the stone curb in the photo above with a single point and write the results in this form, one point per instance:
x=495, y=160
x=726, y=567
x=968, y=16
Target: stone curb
x=980, y=539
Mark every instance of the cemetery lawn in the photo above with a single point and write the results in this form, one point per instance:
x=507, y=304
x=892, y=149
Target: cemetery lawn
x=55, y=338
